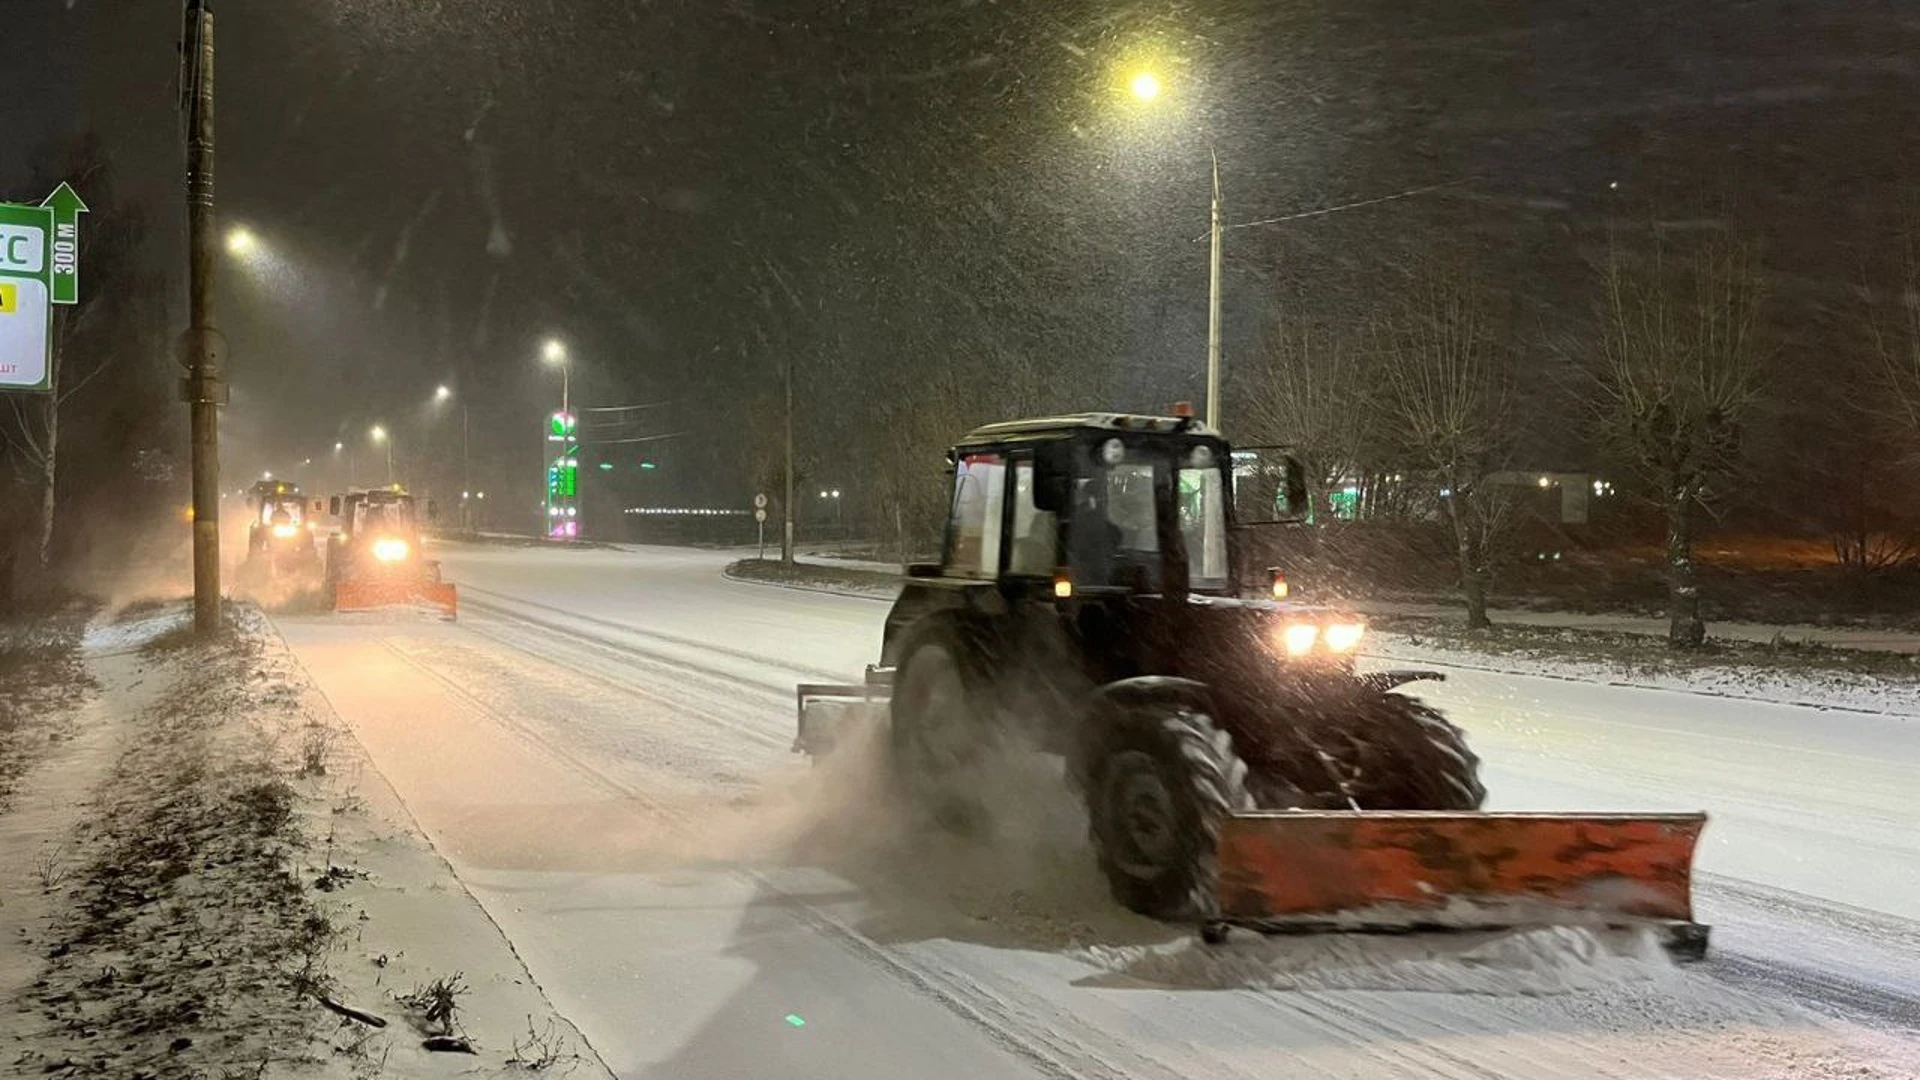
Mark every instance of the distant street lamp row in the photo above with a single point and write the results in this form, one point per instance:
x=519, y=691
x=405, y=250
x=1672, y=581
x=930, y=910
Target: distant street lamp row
x=243, y=243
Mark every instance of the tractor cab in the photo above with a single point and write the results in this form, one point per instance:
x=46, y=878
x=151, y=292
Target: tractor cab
x=1101, y=503
x=280, y=529
x=375, y=560
x=383, y=514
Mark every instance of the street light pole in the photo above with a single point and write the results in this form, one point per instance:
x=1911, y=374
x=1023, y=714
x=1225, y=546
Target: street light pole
x=786, y=504
x=1213, y=305
x=202, y=349
x=380, y=434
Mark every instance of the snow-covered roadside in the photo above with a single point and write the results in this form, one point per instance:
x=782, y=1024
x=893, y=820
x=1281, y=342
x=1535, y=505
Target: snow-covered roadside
x=1797, y=686
x=226, y=878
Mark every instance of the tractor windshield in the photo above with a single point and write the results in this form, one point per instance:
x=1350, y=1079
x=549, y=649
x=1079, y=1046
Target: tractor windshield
x=1121, y=543
x=276, y=512
x=386, y=517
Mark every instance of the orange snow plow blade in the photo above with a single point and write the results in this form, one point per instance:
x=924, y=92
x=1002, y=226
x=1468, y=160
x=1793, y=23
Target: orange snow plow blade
x=368, y=595
x=1340, y=870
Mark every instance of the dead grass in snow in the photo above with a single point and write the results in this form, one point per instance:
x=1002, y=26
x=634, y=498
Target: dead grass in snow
x=42, y=677
x=191, y=947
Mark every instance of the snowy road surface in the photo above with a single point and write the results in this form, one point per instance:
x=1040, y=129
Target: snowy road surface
x=600, y=746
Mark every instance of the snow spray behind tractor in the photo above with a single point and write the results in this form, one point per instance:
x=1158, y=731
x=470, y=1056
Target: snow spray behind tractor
x=1237, y=769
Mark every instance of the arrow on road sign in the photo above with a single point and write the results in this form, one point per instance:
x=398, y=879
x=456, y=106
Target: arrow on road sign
x=63, y=263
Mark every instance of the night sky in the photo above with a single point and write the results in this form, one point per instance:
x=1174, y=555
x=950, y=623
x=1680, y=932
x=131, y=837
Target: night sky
x=692, y=194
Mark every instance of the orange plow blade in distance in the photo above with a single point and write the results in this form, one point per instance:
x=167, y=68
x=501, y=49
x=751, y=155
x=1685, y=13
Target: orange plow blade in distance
x=1302, y=871
x=368, y=595
x=441, y=594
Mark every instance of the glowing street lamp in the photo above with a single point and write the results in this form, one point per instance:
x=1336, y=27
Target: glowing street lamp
x=379, y=435
x=1145, y=86
x=242, y=242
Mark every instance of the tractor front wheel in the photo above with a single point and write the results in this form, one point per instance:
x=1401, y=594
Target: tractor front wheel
x=1161, y=784
x=939, y=737
x=1424, y=757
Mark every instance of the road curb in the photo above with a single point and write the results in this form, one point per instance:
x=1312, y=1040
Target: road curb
x=727, y=573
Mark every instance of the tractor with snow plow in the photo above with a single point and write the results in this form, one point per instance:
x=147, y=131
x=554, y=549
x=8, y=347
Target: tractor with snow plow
x=375, y=560
x=1236, y=767
x=281, y=550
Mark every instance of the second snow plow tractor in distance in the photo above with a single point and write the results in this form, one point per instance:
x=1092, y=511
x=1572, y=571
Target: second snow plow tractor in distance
x=375, y=559
x=280, y=540
x=1236, y=768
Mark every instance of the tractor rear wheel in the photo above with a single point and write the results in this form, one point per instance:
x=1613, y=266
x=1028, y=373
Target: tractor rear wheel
x=1160, y=785
x=939, y=739
x=1424, y=756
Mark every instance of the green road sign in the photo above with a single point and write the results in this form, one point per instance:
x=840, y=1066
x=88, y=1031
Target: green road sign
x=63, y=253
x=39, y=267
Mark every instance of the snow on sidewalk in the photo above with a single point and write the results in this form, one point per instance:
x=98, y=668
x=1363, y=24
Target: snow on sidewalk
x=232, y=880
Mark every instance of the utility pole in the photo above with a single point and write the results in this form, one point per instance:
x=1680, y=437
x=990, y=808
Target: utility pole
x=786, y=504
x=203, y=350
x=1213, y=307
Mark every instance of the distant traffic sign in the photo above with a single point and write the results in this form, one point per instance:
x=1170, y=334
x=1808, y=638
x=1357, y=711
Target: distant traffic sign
x=39, y=267
x=760, y=501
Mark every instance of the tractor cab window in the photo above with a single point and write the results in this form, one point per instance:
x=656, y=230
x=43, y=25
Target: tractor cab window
x=1115, y=532
x=973, y=532
x=384, y=517
x=276, y=513
x=1035, y=537
x=1202, y=495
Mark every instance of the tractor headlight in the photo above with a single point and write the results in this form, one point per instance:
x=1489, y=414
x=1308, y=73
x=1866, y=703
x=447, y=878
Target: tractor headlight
x=389, y=549
x=286, y=532
x=1298, y=638
x=1344, y=636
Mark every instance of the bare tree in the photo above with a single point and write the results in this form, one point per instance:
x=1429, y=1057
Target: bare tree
x=905, y=489
x=1446, y=369
x=1311, y=389
x=1679, y=366
x=34, y=434
x=1881, y=406
x=1893, y=326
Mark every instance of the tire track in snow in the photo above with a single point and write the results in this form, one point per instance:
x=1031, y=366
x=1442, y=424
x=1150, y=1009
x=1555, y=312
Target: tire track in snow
x=694, y=644
x=632, y=656
x=1852, y=999
x=1839, y=928
x=1048, y=1046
